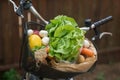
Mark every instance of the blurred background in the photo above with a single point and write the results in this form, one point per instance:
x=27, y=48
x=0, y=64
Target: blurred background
x=108, y=66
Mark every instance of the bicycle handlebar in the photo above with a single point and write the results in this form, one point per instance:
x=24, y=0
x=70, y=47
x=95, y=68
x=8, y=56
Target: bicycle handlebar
x=102, y=21
x=89, y=26
x=95, y=25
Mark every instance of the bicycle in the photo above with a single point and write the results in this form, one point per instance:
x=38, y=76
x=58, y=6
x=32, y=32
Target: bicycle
x=33, y=74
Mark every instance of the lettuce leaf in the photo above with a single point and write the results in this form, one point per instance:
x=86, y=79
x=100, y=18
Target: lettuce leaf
x=66, y=38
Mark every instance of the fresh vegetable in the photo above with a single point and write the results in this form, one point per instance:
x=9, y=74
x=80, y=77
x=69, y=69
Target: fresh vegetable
x=36, y=32
x=47, y=49
x=34, y=41
x=59, y=21
x=29, y=32
x=65, y=38
x=86, y=43
x=81, y=59
x=43, y=33
x=87, y=52
x=45, y=40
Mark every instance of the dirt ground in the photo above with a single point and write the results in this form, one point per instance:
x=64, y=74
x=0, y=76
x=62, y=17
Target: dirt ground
x=102, y=72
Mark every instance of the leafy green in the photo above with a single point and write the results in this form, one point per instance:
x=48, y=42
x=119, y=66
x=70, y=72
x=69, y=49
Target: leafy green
x=65, y=38
x=63, y=30
x=59, y=21
x=37, y=48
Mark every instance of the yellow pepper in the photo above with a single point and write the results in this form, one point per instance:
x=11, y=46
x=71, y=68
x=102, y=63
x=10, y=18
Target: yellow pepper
x=34, y=41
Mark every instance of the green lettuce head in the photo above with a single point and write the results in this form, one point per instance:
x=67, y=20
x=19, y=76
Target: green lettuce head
x=66, y=38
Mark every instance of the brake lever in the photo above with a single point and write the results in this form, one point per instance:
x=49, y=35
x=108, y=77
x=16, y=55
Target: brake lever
x=101, y=35
x=105, y=33
x=17, y=9
x=14, y=5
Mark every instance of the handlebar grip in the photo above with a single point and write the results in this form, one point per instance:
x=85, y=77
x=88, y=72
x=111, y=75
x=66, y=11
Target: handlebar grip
x=102, y=21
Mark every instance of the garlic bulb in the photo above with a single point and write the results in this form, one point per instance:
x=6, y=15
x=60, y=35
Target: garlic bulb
x=43, y=33
x=45, y=40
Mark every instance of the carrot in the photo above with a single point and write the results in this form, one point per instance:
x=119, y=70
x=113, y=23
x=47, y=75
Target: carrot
x=87, y=52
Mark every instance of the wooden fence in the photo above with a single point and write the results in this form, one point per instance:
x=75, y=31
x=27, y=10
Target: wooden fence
x=10, y=40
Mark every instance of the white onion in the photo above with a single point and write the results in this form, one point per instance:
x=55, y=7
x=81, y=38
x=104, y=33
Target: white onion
x=43, y=33
x=45, y=40
x=29, y=32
